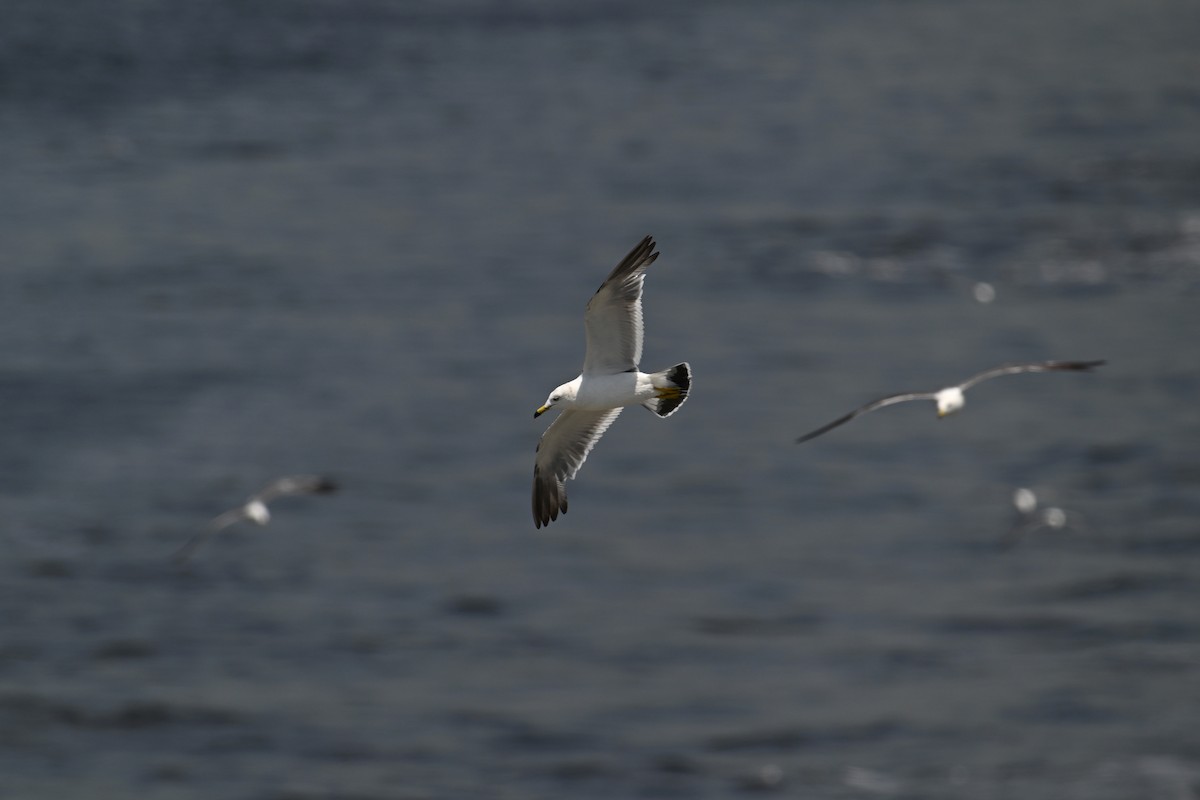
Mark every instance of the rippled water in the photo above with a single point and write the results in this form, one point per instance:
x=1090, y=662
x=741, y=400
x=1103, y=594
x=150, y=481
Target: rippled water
x=239, y=241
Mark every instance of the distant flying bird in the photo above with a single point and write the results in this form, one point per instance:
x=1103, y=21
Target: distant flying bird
x=951, y=399
x=610, y=380
x=255, y=509
x=1031, y=517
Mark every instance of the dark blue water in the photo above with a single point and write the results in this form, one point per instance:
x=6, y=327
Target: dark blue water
x=245, y=240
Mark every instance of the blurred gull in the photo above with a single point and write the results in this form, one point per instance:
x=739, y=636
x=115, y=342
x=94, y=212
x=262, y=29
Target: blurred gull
x=951, y=399
x=610, y=381
x=870, y=781
x=255, y=508
x=1178, y=779
x=766, y=778
x=983, y=292
x=1030, y=518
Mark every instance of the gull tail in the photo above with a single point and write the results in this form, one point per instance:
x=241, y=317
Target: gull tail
x=671, y=388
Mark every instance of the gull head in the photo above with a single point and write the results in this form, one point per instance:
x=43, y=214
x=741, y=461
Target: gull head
x=563, y=394
x=949, y=400
x=257, y=511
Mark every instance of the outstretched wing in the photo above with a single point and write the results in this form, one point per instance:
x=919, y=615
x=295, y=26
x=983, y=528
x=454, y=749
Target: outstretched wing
x=560, y=453
x=218, y=523
x=874, y=404
x=613, y=319
x=1038, y=366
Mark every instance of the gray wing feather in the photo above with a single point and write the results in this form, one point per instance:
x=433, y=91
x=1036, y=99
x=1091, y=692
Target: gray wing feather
x=560, y=453
x=613, y=320
x=891, y=399
x=1038, y=366
x=217, y=523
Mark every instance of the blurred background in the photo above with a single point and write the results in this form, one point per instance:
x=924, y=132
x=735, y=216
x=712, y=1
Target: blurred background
x=242, y=240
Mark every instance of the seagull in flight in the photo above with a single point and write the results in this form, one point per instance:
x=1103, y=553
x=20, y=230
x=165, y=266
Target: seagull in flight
x=951, y=399
x=255, y=508
x=610, y=380
x=1032, y=518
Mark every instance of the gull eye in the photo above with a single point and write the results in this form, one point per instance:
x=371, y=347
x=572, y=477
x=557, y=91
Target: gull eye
x=556, y=398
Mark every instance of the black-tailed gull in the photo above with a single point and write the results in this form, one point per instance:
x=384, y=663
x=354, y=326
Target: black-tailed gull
x=951, y=399
x=255, y=508
x=610, y=380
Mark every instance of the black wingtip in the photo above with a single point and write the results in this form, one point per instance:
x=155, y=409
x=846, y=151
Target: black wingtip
x=644, y=253
x=1077, y=366
x=827, y=427
x=549, y=499
x=808, y=437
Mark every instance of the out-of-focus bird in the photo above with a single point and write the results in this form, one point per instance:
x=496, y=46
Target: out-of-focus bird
x=1033, y=517
x=255, y=508
x=951, y=398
